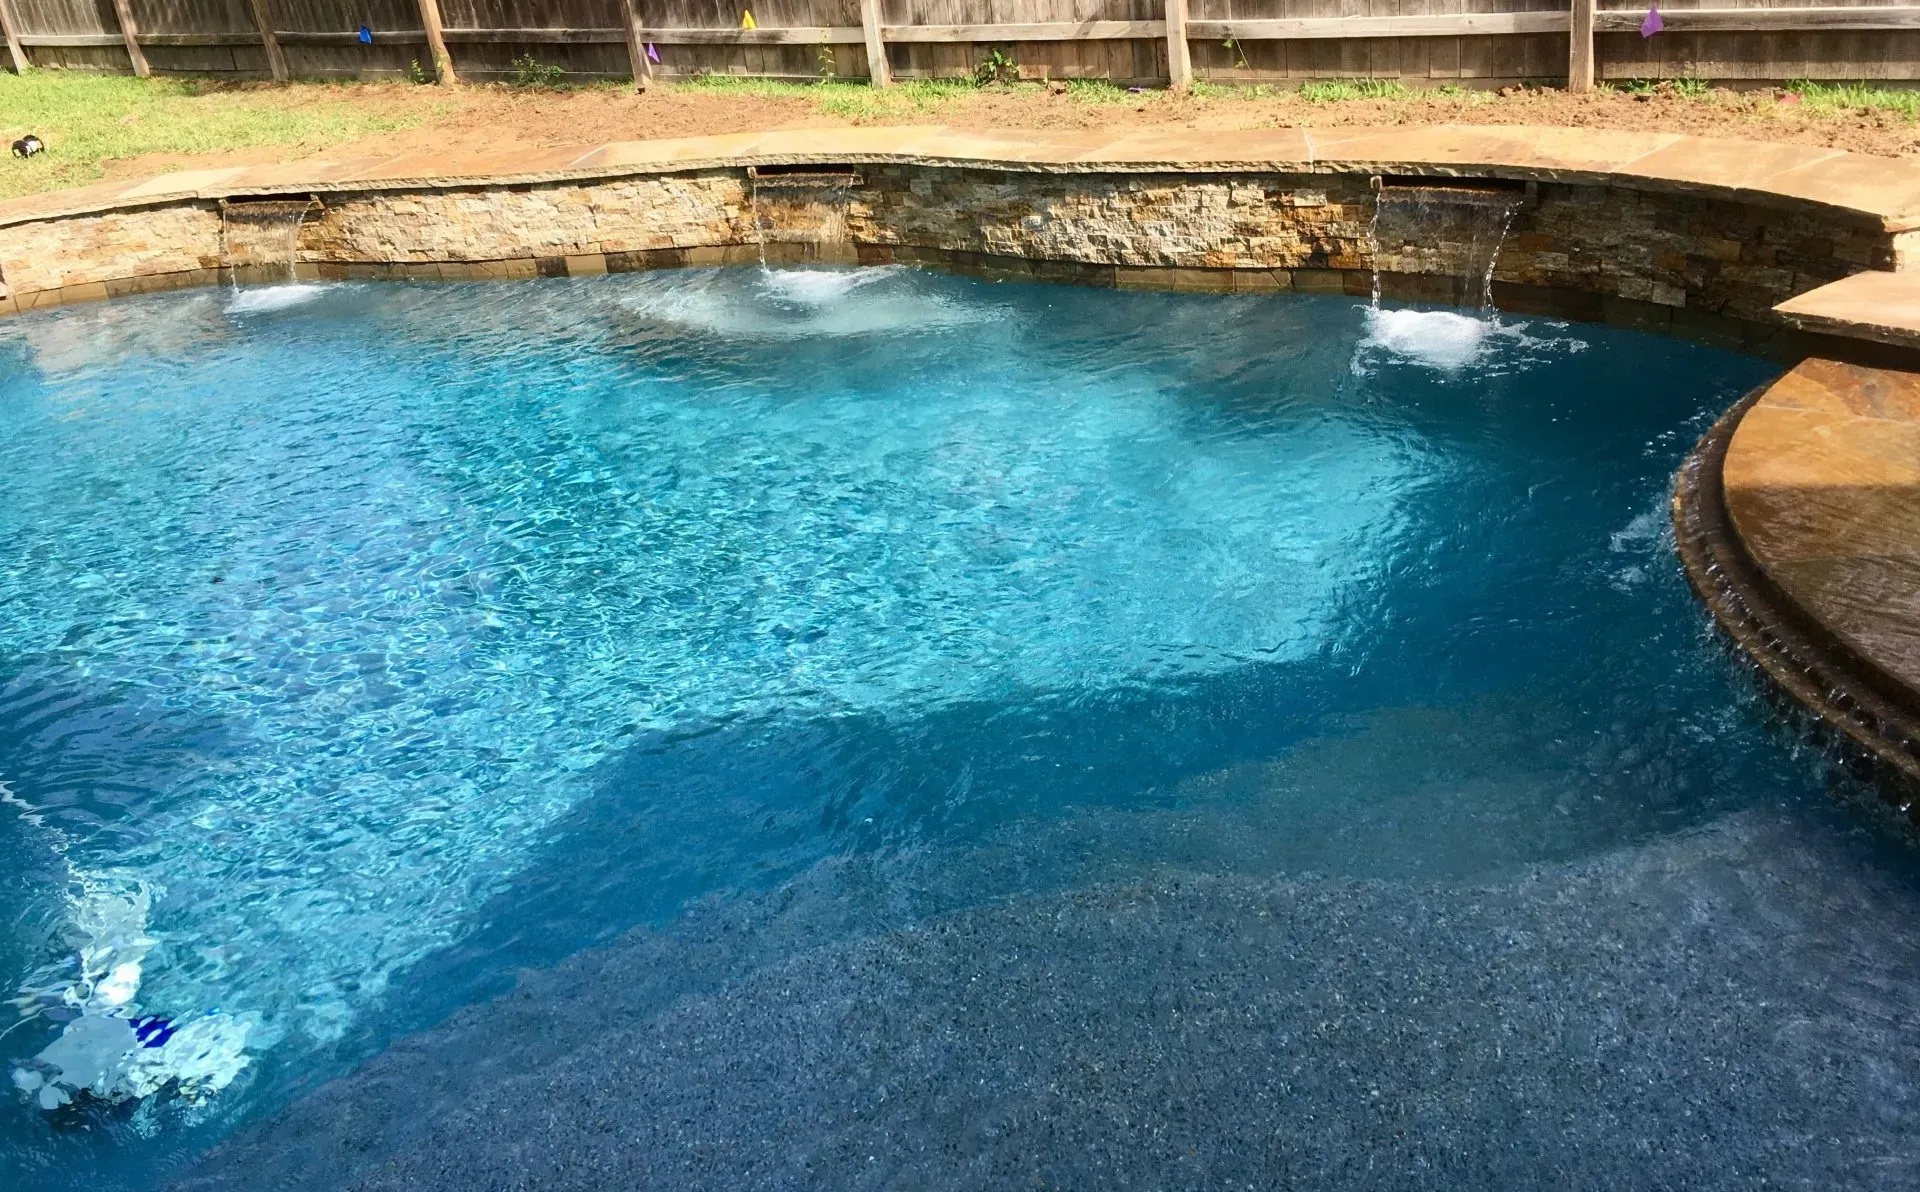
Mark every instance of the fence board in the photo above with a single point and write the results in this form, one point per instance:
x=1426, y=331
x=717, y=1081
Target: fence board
x=1424, y=41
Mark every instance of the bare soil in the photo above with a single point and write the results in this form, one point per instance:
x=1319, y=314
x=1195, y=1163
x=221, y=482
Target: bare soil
x=497, y=117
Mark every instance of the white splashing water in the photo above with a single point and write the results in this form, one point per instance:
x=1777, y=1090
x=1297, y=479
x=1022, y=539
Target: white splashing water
x=1450, y=343
x=1439, y=339
x=255, y=300
x=800, y=303
x=815, y=287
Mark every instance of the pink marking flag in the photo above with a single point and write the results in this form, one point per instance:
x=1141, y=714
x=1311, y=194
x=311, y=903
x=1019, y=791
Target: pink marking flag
x=1653, y=24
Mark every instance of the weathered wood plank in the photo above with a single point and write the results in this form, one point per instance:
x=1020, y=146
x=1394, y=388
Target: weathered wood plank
x=1031, y=31
x=1580, y=48
x=879, y=71
x=1768, y=20
x=1179, y=53
x=263, y=24
x=63, y=40
x=636, y=44
x=15, y=51
x=548, y=36
x=294, y=37
x=851, y=35
x=130, y=34
x=1459, y=24
x=433, y=29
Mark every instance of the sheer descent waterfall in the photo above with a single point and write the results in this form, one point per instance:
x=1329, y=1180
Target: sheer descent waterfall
x=260, y=238
x=1440, y=229
x=801, y=212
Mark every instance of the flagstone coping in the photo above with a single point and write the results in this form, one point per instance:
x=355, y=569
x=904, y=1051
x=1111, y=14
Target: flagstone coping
x=1875, y=305
x=1798, y=519
x=1882, y=189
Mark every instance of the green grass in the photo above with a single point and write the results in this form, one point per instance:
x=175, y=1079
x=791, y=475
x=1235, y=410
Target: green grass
x=88, y=120
x=1686, y=87
x=1833, y=98
x=1099, y=91
x=1334, y=90
x=847, y=100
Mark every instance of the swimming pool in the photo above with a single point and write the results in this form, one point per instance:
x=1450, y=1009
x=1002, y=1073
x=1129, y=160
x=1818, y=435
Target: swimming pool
x=366, y=645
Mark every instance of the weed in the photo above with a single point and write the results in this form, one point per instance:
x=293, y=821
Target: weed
x=1232, y=46
x=1686, y=87
x=825, y=62
x=1205, y=90
x=1098, y=91
x=415, y=74
x=1335, y=90
x=1833, y=98
x=529, y=71
x=997, y=67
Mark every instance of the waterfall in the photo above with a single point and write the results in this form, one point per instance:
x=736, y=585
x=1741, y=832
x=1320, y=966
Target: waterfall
x=1439, y=229
x=260, y=239
x=801, y=212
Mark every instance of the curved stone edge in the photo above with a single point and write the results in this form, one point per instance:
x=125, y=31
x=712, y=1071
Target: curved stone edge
x=1881, y=189
x=1867, y=721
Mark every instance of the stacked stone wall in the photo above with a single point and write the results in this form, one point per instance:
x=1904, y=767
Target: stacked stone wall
x=1582, y=251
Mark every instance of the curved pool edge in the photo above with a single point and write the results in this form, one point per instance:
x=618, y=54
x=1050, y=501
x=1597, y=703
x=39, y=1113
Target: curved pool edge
x=1696, y=237
x=1836, y=685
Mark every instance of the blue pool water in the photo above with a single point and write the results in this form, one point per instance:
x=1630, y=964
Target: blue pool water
x=363, y=647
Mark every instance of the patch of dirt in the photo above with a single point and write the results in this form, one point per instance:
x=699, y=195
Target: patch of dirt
x=496, y=117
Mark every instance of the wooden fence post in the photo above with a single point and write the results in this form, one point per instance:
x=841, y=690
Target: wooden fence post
x=878, y=72
x=130, y=33
x=436, y=43
x=263, y=21
x=14, y=50
x=1580, y=48
x=1179, y=55
x=637, y=47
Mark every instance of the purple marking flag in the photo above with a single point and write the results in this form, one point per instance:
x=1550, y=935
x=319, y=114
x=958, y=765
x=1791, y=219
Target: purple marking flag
x=1653, y=24
x=653, y=55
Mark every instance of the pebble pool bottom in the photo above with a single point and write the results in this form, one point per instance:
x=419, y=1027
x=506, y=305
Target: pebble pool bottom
x=880, y=729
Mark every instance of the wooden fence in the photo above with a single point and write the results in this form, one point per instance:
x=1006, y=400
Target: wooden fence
x=1471, y=42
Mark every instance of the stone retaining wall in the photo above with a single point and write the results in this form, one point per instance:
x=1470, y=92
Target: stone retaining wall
x=1616, y=253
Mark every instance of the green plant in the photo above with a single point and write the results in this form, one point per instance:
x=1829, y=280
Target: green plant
x=415, y=74
x=529, y=71
x=1098, y=91
x=1831, y=98
x=997, y=67
x=1231, y=45
x=1335, y=90
x=824, y=61
x=1689, y=87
